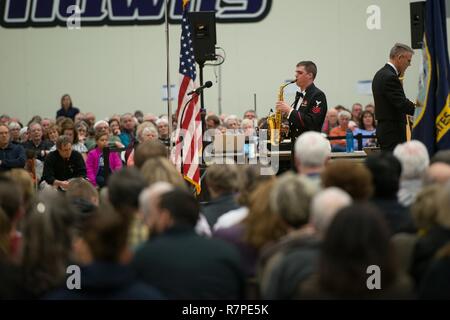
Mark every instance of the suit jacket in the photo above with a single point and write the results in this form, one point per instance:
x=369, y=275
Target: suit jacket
x=310, y=115
x=390, y=100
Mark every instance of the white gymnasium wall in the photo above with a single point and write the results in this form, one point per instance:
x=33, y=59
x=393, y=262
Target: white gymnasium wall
x=117, y=69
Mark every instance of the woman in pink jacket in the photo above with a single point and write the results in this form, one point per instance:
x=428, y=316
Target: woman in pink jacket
x=95, y=165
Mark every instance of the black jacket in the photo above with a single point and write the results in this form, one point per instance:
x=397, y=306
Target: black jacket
x=184, y=265
x=311, y=113
x=55, y=167
x=390, y=100
x=107, y=281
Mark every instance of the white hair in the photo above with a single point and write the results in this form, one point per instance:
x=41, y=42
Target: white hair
x=99, y=122
x=312, y=149
x=413, y=156
x=161, y=121
x=325, y=205
x=13, y=125
x=246, y=122
x=151, y=193
x=344, y=114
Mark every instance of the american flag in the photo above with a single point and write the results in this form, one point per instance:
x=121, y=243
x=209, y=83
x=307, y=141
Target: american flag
x=189, y=125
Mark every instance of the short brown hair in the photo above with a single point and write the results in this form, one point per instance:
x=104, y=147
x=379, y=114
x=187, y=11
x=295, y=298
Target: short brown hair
x=352, y=177
x=147, y=150
x=310, y=67
x=106, y=233
x=221, y=178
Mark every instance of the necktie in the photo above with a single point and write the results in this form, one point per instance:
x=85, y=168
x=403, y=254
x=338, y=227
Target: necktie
x=298, y=95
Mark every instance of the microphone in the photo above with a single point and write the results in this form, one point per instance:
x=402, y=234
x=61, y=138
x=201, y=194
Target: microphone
x=208, y=84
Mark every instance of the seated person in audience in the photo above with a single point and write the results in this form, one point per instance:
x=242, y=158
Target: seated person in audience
x=163, y=130
x=370, y=107
x=290, y=199
x=356, y=239
x=52, y=133
x=312, y=152
x=82, y=128
x=367, y=128
x=47, y=244
x=114, y=133
x=354, y=178
x=12, y=205
x=82, y=194
x=72, y=134
x=9, y=272
x=221, y=182
x=100, y=126
x=128, y=125
x=182, y=264
x=11, y=155
x=260, y=228
x=148, y=149
x=63, y=164
x=357, y=108
x=103, y=253
x=232, y=124
x=95, y=164
x=340, y=131
x=248, y=128
x=145, y=132
x=14, y=130
x=413, y=156
x=124, y=188
x=331, y=121
x=36, y=143
x=212, y=121
x=436, y=238
x=386, y=171
x=89, y=117
x=249, y=178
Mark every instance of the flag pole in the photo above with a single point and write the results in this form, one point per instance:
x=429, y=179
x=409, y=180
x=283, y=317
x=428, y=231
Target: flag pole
x=169, y=98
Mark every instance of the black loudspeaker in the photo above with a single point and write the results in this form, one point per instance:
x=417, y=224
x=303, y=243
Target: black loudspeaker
x=417, y=19
x=203, y=25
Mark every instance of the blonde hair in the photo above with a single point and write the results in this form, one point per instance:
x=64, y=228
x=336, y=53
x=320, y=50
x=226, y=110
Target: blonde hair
x=160, y=169
x=262, y=225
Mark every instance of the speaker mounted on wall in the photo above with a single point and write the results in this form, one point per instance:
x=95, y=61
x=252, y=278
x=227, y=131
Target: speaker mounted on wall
x=417, y=20
x=203, y=24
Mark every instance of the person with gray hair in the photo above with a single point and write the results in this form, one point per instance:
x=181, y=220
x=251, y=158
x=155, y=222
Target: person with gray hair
x=413, y=156
x=392, y=106
x=312, y=151
x=344, y=119
x=325, y=205
x=14, y=130
x=285, y=264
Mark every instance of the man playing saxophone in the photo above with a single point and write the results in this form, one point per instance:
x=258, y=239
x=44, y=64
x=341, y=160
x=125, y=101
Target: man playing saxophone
x=310, y=106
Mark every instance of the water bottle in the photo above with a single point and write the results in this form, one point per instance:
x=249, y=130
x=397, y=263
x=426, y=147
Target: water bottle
x=349, y=140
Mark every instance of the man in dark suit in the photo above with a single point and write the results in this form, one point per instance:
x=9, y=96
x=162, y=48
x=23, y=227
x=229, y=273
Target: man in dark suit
x=391, y=104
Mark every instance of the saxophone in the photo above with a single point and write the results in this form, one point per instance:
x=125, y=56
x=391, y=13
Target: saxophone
x=274, y=119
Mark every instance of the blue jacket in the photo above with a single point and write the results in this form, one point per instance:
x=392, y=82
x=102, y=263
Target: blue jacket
x=13, y=156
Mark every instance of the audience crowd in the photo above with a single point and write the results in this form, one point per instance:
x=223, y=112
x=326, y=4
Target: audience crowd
x=103, y=196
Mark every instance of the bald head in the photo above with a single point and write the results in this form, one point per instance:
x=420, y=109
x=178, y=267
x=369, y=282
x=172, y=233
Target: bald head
x=438, y=172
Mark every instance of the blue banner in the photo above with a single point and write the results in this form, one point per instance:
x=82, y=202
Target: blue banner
x=432, y=120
